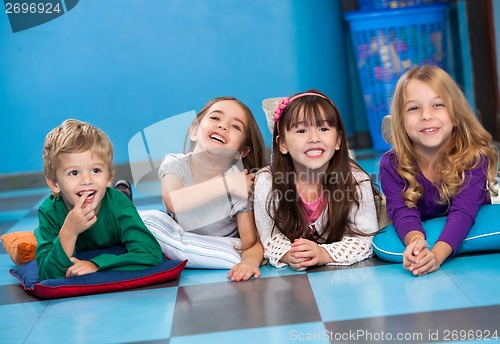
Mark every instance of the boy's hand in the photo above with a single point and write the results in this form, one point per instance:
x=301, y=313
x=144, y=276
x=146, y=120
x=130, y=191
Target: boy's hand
x=80, y=267
x=80, y=218
x=243, y=272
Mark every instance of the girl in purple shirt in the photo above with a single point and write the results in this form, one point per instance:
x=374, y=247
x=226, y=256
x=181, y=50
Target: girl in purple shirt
x=442, y=163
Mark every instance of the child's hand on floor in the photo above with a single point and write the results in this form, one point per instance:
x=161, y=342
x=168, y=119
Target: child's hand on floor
x=308, y=253
x=243, y=271
x=418, y=259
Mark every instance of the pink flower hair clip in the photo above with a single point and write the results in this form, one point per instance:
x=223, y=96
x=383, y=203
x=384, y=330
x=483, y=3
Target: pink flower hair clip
x=279, y=110
x=285, y=101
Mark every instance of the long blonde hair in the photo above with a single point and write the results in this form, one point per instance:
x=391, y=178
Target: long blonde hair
x=469, y=142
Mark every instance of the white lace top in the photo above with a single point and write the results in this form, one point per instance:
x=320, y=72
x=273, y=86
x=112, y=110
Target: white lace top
x=350, y=250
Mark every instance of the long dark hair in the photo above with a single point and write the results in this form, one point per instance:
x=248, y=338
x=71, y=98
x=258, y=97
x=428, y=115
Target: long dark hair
x=286, y=211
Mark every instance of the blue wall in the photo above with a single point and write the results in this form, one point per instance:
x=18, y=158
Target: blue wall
x=126, y=64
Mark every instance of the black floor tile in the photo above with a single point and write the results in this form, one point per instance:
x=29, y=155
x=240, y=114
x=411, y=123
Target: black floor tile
x=14, y=293
x=233, y=306
x=427, y=327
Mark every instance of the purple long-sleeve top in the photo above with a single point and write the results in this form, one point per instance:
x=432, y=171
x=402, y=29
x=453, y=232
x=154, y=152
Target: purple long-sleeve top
x=461, y=212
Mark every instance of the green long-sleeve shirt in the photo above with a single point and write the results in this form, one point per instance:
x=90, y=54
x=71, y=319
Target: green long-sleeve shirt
x=118, y=224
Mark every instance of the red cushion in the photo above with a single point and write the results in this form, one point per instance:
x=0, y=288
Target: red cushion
x=97, y=282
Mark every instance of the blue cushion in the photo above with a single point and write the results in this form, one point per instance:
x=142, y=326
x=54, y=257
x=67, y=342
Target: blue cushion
x=484, y=235
x=97, y=282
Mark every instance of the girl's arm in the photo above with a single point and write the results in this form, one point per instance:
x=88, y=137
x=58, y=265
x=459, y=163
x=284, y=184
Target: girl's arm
x=417, y=258
x=275, y=245
x=461, y=216
x=405, y=219
x=464, y=207
x=178, y=199
x=251, y=256
x=354, y=248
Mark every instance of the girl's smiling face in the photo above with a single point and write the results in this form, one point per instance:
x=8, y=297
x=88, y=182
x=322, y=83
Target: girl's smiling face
x=222, y=130
x=310, y=146
x=426, y=119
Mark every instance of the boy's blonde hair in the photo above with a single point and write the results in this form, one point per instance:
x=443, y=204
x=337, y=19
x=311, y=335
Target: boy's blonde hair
x=469, y=140
x=74, y=136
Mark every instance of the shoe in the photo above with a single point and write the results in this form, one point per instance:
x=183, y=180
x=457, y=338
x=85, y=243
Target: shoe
x=124, y=187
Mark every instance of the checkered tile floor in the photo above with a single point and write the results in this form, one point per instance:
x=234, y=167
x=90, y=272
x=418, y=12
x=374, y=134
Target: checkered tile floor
x=370, y=302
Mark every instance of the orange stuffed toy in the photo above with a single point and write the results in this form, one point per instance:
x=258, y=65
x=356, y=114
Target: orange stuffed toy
x=20, y=246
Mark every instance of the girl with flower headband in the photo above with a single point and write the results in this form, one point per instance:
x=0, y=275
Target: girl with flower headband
x=442, y=163
x=313, y=205
x=205, y=192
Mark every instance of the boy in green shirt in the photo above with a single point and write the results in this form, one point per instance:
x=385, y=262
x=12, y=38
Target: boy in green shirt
x=84, y=212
